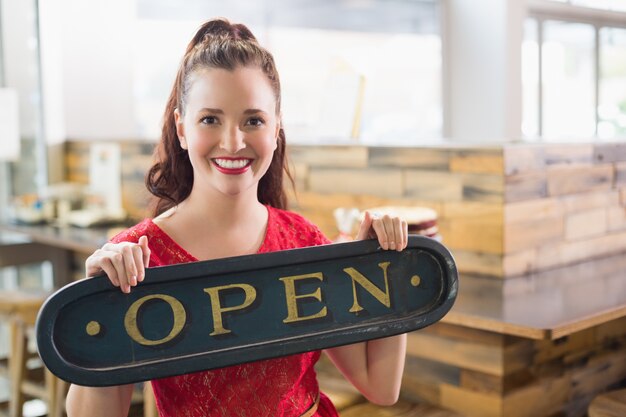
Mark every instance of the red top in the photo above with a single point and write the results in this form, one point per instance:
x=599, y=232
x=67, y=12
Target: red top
x=281, y=387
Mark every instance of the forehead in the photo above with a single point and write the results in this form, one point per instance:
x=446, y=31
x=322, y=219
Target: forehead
x=220, y=88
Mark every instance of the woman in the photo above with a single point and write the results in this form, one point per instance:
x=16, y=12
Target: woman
x=218, y=180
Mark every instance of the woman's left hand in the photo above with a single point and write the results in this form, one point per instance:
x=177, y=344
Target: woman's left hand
x=391, y=231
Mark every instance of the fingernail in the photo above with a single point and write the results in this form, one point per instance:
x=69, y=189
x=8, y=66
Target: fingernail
x=133, y=280
x=141, y=277
x=126, y=289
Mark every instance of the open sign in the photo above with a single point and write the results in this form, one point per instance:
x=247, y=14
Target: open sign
x=205, y=315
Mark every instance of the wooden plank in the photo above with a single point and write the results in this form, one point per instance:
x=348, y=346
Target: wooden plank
x=586, y=224
x=329, y=156
x=610, y=404
x=579, y=178
x=530, y=209
x=475, y=356
x=599, y=373
x=564, y=253
x=616, y=217
x=525, y=186
x=415, y=388
x=544, y=398
x=471, y=403
x=532, y=233
x=549, y=350
x=521, y=159
x=609, y=152
x=476, y=210
x=466, y=334
x=417, y=158
x=489, y=264
x=620, y=174
x=477, y=161
x=382, y=182
x=520, y=262
x=567, y=154
x=400, y=409
x=589, y=201
x=483, y=187
x=473, y=235
x=433, y=185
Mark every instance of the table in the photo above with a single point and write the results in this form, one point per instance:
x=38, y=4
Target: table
x=538, y=345
x=24, y=244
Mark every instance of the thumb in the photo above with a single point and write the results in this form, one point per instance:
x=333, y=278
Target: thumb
x=364, y=229
x=143, y=243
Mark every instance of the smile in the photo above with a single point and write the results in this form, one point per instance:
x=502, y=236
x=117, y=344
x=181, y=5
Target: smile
x=232, y=166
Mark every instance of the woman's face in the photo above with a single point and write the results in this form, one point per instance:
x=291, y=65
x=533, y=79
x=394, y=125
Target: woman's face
x=230, y=129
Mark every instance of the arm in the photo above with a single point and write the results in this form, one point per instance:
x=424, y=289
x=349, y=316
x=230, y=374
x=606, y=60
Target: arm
x=375, y=367
x=98, y=401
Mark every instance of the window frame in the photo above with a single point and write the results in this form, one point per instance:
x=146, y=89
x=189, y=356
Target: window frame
x=544, y=10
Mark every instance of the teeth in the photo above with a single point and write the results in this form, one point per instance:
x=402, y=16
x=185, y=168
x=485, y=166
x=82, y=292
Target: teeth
x=232, y=163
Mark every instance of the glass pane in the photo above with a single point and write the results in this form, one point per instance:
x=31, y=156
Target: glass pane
x=366, y=70
x=568, y=80
x=612, y=94
x=530, y=79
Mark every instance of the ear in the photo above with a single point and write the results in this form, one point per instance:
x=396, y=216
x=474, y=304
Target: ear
x=180, y=128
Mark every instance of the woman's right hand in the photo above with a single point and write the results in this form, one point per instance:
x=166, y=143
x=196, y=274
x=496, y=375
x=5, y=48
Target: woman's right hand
x=124, y=263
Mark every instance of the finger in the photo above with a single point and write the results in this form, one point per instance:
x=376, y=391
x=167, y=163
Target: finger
x=397, y=232
x=381, y=234
x=109, y=270
x=117, y=260
x=405, y=234
x=389, y=231
x=143, y=242
x=365, y=226
x=129, y=265
x=138, y=260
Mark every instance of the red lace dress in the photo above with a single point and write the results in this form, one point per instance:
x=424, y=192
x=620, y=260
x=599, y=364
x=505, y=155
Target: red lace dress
x=281, y=387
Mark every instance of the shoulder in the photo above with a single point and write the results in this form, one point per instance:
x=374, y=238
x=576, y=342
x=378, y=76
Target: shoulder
x=300, y=227
x=133, y=233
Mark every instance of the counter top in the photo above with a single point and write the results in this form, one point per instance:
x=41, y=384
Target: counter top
x=546, y=305
x=76, y=239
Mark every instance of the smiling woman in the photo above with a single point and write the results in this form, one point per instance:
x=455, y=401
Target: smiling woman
x=218, y=183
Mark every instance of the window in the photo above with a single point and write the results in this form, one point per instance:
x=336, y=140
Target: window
x=574, y=71
x=367, y=72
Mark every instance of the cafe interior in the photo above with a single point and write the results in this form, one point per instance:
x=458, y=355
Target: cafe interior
x=500, y=124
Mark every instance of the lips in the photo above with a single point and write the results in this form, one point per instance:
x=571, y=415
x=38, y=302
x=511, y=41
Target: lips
x=232, y=166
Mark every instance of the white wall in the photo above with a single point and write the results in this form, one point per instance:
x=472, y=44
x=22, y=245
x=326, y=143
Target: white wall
x=483, y=63
x=87, y=57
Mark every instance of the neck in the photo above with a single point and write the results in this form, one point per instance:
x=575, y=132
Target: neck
x=220, y=211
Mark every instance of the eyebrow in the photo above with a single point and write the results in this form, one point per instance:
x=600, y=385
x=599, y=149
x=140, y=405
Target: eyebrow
x=220, y=111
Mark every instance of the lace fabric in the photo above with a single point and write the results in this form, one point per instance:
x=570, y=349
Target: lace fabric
x=285, y=386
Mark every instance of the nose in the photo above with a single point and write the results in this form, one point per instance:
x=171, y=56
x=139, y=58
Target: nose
x=233, y=140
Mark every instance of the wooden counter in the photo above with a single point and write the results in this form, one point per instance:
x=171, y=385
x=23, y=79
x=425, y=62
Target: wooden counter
x=546, y=305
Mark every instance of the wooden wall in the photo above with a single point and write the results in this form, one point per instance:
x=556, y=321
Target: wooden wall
x=503, y=210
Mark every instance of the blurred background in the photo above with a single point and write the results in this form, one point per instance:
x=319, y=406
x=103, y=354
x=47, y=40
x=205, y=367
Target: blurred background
x=500, y=124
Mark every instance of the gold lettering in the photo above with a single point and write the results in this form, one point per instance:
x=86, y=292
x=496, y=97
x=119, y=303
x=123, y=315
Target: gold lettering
x=292, y=298
x=130, y=320
x=218, y=310
x=382, y=297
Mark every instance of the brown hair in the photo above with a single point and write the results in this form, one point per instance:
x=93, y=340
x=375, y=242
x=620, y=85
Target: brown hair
x=217, y=44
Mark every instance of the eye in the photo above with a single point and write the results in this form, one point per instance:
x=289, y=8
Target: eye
x=209, y=120
x=255, y=121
